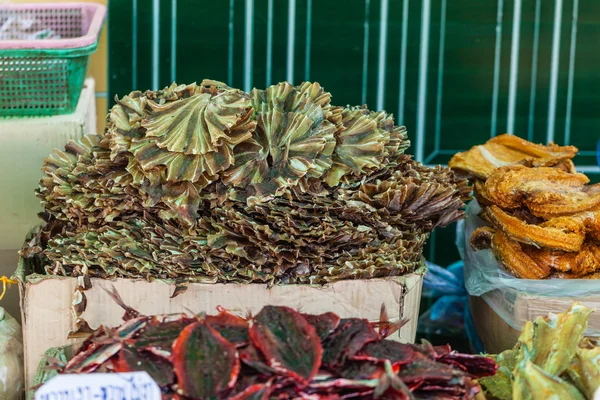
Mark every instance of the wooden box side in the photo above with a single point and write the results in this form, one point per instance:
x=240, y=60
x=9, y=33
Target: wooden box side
x=528, y=308
x=498, y=335
x=495, y=334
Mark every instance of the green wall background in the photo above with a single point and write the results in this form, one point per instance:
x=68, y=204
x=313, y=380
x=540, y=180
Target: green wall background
x=454, y=72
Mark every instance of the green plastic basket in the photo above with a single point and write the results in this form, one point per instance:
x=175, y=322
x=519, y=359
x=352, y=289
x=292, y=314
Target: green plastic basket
x=45, y=76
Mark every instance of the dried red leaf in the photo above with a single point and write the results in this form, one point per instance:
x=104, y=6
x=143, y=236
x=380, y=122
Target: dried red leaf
x=130, y=313
x=159, y=335
x=92, y=339
x=392, y=394
x=436, y=396
x=131, y=327
x=280, y=360
x=344, y=383
x=252, y=358
x=206, y=365
x=230, y=326
x=477, y=366
x=423, y=372
x=426, y=349
x=385, y=327
x=450, y=390
x=259, y=391
x=129, y=360
x=288, y=342
x=355, y=369
x=324, y=324
x=93, y=358
x=395, y=352
x=441, y=350
x=349, y=338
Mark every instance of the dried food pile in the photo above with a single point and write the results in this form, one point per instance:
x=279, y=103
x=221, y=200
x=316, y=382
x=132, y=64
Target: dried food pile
x=281, y=354
x=213, y=184
x=552, y=359
x=544, y=216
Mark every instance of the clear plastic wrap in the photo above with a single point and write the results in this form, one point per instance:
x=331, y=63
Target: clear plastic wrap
x=518, y=300
x=11, y=358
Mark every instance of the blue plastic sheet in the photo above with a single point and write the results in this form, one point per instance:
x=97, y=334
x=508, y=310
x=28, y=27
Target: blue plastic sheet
x=449, y=315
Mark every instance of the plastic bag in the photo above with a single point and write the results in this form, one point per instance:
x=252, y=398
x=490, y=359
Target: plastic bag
x=11, y=358
x=450, y=314
x=16, y=28
x=445, y=316
x=518, y=300
x=483, y=273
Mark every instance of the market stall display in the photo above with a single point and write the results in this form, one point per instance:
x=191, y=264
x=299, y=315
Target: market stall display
x=278, y=353
x=195, y=192
x=551, y=360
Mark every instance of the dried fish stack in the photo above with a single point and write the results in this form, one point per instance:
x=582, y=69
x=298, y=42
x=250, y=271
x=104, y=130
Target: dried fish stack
x=281, y=354
x=544, y=216
x=212, y=184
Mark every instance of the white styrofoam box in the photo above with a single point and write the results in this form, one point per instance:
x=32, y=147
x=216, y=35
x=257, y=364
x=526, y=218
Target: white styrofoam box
x=24, y=144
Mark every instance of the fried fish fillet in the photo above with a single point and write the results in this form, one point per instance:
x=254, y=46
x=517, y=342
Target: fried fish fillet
x=531, y=262
x=567, y=166
x=566, y=234
x=580, y=263
x=505, y=150
x=511, y=256
x=557, y=201
x=481, y=238
x=480, y=193
x=591, y=219
x=567, y=275
x=508, y=187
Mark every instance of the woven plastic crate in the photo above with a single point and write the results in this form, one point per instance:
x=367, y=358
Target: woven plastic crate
x=45, y=76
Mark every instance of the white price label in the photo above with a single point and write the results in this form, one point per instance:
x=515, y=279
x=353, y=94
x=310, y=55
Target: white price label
x=597, y=395
x=124, y=386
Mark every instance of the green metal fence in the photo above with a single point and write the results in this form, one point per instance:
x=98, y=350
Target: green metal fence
x=454, y=72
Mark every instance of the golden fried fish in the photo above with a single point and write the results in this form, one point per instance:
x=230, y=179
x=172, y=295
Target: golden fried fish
x=564, y=234
x=509, y=187
x=504, y=150
x=511, y=256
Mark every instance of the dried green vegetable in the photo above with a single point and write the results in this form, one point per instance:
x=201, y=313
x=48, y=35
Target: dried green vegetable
x=552, y=359
x=208, y=183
